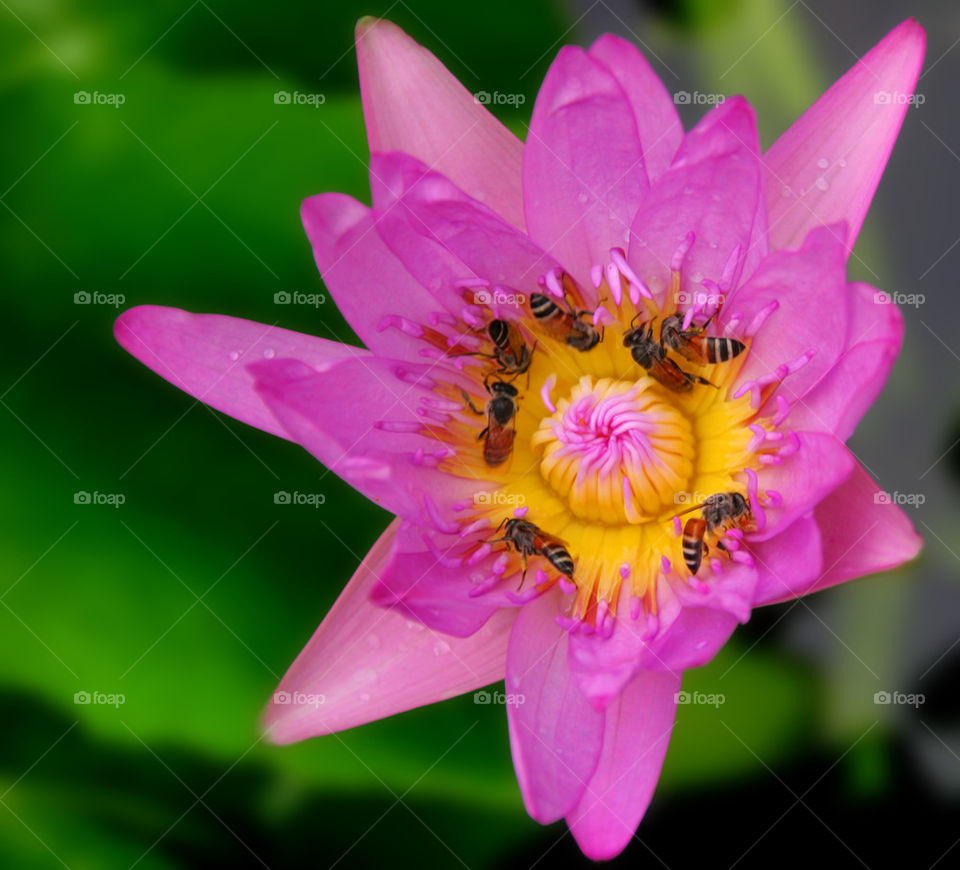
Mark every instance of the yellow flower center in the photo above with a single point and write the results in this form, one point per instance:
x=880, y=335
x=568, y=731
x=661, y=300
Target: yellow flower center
x=608, y=452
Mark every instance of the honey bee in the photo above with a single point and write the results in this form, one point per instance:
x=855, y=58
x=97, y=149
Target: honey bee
x=501, y=410
x=720, y=512
x=695, y=345
x=651, y=355
x=566, y=326
x=528, y=539
x=510, y=351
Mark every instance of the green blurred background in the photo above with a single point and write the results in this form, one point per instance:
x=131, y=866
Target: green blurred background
x=192, y=597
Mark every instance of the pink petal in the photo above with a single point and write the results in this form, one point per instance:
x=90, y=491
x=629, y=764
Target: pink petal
x=789, y=564
x=804, y=479
x=636, y=736
x=863, y=531
x=412, y=103
x=653, y=110
x=830, y=161
x=583, y=171
x=809, y=286
x=602, y=665
x=487, y=245
x=356, y=266
x=874, y=335
x=695, y=624
x=365, y=663
x=417, y=584
x=713, y=191
x=555, y=734
x=431, y=264
x=333, y=415
x=206, y=355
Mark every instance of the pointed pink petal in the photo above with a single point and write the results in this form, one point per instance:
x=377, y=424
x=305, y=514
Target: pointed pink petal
x=555, y=734
x=487, y=245
x=803, y=479
x=712, y=190
x=417, y=584
x=826, y=167
x=206, y=355
x=809, y=286
x=789, y=564
x=583, y=172
x=412, y=103
x=874, y=335
x=636, y=736
x=653, y=110
x=863, y=531
x=356, y=266
x=365, y=662
x=334, y=415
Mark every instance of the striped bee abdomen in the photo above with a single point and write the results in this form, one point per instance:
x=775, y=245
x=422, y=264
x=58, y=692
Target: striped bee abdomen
x=559, y=558
x=722, y=349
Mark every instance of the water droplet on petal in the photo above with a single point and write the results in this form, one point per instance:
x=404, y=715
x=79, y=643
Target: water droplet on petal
x=441, y=647
x=786, y=192
x=696, y=277
x=414, y=626
x=642, y=243
x=841, y=163
x=269, y=353
x=713, y=244
x=582, y=197
x=823, y=163
x=367, y=675
x=233, y=355
x=364, y=696
x=822, y=183
x=688, y=190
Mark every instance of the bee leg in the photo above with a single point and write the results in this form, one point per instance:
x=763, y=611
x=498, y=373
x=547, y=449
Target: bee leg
x=697, y=379
x=523, y=576
x=473, y=407
x=481, y=436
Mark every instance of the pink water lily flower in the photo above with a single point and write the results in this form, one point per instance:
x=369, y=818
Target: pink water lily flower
x=609, y=376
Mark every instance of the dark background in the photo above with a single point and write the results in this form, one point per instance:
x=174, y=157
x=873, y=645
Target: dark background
x=192, y=597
